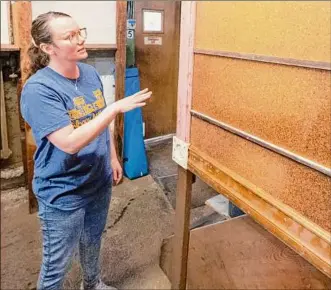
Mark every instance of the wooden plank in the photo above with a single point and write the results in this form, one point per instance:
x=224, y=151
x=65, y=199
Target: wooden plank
x=181, y=231
x=9, y=47
x=5, y=151
x=30, y=150
x=22, y=21
x=120, y=61
x=23, y=136
x=299, y=233
x=187, y=30
x=10, y=26
x=240, y=254
x=100, y=47
x=185, y=177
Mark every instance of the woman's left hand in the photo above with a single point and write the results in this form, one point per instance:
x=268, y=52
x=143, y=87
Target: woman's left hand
x=117, y=170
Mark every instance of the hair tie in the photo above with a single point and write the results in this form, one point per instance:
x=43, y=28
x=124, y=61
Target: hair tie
x=34, y=43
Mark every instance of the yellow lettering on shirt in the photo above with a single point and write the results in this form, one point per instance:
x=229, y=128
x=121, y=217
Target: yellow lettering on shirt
x=82, y=112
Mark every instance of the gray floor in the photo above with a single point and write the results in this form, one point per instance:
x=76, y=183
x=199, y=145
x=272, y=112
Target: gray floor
x=164, y=171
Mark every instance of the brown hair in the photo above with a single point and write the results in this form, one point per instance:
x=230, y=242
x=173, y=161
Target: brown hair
x=41, y=33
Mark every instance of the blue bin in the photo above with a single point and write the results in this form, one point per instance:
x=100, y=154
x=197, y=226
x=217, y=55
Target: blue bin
x=134, y=153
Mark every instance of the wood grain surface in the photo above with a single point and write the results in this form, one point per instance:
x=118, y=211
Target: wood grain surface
x=240, y=254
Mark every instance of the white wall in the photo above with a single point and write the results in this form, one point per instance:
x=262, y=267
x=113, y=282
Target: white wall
x=99, y=17
x=4, y=23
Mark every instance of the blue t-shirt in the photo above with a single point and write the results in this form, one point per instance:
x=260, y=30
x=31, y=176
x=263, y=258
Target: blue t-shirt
x=49, y=101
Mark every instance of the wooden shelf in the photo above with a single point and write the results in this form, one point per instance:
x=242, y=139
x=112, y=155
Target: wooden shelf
x=9, y=47
x=101, y=47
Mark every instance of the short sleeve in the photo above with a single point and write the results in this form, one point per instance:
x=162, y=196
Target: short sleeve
x=43, y=109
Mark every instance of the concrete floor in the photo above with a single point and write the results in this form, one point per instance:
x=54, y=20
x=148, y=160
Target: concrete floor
x=140, y=218
x=164, y=172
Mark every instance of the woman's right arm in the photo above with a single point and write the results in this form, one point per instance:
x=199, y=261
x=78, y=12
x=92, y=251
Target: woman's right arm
x=72, y=140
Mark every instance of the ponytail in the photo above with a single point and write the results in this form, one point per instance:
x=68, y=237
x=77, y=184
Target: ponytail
x=38, y=59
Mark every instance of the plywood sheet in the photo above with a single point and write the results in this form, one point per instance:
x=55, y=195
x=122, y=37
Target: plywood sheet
x=297, y=186
x=240, y=254
x=290, y=29
x=287, y=106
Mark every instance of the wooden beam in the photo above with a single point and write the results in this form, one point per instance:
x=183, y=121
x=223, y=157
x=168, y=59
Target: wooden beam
x=22, y=21
x=5, y=151
x=185, y=77
x=120, y=60
x=100, y=47
x=182, y=230
x=9, y=47
x=305, y=237
x=185, y=177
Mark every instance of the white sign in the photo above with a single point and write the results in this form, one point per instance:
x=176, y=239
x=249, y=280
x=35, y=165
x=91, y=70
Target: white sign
x=153, y=21
x=130, y=34
x=131, y=24
x=153, y=40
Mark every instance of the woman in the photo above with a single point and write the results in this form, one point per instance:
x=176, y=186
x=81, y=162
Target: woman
x=75, y=159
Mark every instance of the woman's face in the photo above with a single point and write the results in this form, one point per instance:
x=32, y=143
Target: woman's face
x=68, y=44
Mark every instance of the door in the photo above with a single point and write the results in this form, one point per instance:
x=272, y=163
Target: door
x=157, y=55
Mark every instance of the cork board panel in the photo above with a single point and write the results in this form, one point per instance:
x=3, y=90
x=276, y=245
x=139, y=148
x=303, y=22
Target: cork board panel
x=287, y=106
x=303, y=189
x=288, y=29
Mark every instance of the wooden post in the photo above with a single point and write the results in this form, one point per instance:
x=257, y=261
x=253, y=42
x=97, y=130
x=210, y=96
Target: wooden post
x=22, y=21
x=185, y=177
x=120, y=73
x=185, y=76
x=182, y=229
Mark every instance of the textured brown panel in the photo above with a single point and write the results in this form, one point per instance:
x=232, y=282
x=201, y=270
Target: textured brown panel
x=301, y=188
x=294, y=29
x=287, y=106
x=240, y=254
x=158, y=68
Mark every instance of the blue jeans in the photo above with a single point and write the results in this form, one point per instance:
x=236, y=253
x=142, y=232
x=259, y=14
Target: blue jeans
x=65, y=230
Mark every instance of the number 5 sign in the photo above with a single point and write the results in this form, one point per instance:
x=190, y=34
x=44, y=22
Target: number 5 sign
x=130, y=34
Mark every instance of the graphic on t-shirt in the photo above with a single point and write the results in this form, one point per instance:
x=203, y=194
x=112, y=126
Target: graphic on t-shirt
x=83, y=113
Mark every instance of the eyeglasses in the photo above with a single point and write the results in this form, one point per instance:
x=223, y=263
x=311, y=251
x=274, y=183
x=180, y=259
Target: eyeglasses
x=74, y=37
